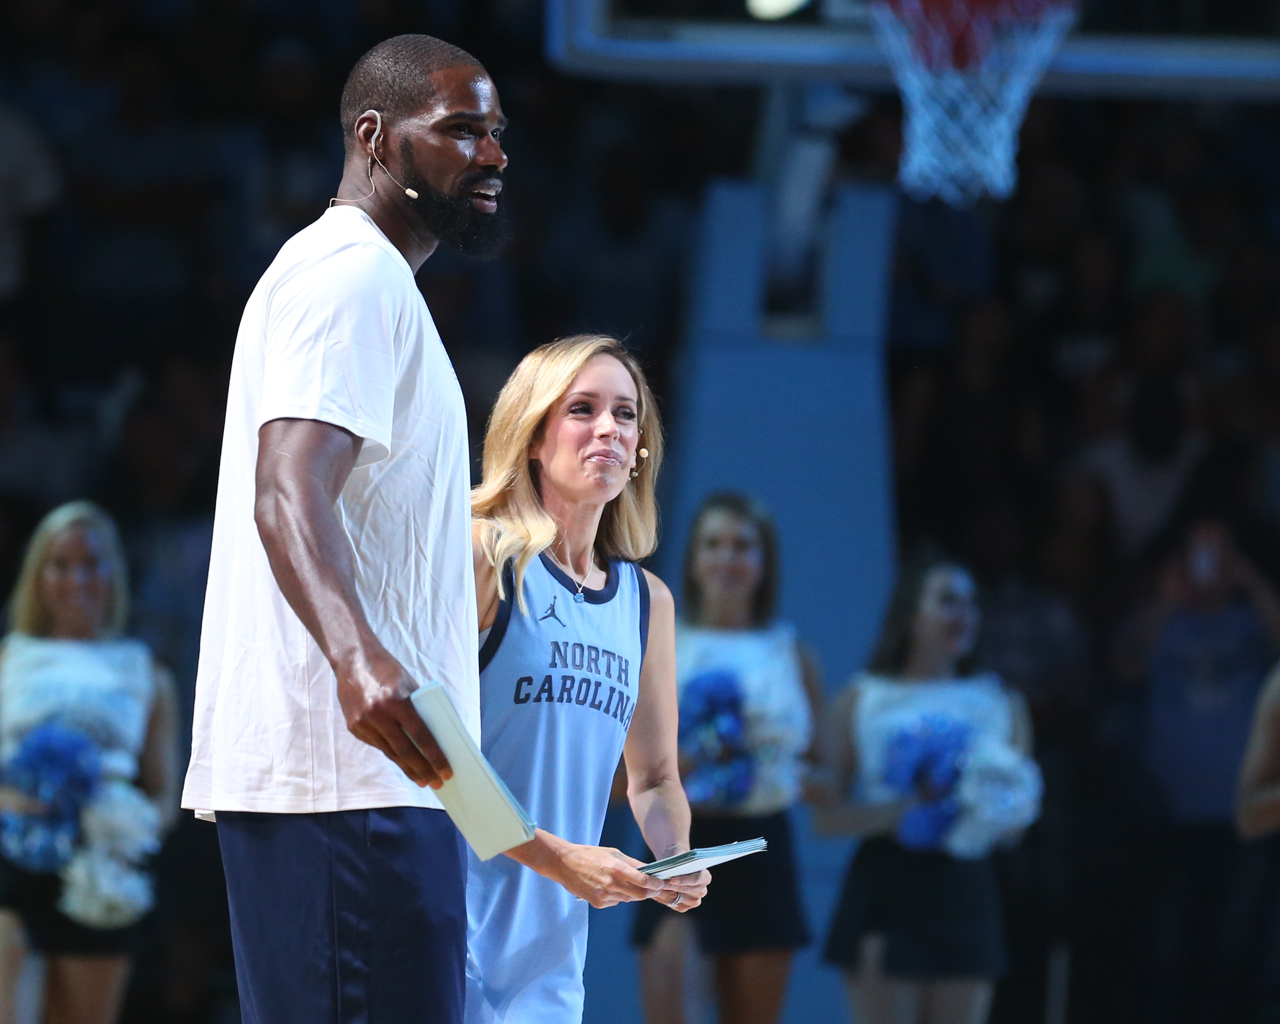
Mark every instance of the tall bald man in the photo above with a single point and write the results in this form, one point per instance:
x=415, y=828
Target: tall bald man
x=341, y=576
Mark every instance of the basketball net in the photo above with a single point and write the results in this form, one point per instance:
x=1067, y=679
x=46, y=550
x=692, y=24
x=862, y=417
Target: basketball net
x=966, y=70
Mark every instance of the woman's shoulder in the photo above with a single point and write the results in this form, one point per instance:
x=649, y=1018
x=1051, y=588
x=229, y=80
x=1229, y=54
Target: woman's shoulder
x=134, y=654
x=866, y=679
x=659, y=592
x=991, y=682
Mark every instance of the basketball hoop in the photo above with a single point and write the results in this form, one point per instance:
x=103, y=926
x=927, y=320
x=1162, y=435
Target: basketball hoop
x=966, y=70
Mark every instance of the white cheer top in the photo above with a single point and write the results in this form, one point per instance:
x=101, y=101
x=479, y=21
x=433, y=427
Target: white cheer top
x=779, y=724
x=886, y=706
x=104, y=688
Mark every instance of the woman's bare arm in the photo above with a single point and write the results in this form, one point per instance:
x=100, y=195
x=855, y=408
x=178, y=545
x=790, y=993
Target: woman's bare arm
x=158, y=765
x=486, y=580
x=811, y=677
x=654, y=789
x=1022, y=738
x=835, y=812
x=1258, y=797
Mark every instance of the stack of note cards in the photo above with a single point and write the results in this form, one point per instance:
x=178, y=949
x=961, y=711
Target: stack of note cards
x=477, y=800
x=692, y=861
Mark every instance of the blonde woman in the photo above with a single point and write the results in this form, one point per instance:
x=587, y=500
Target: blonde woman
x=67, y=662
x=577, y=667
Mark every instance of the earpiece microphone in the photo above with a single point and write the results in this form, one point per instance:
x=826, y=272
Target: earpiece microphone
x=373, y=151
x=373, y=155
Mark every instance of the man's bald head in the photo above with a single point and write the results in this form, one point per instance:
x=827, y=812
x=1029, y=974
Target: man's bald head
x=394, y=78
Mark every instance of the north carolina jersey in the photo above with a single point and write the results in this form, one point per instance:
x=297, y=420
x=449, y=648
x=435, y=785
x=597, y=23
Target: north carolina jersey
x=558, y=686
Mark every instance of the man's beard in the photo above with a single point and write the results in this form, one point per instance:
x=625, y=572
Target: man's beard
x=453, y=220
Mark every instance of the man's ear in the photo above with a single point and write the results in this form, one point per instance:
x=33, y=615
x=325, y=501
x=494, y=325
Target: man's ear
x=367, y=132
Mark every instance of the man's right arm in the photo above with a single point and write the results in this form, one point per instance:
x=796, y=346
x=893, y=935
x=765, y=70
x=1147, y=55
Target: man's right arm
x=302, y=468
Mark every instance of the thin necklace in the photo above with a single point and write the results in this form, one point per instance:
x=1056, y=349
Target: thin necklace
x=579, y=597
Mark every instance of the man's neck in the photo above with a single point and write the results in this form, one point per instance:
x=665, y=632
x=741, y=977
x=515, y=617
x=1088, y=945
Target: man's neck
x=384, y=208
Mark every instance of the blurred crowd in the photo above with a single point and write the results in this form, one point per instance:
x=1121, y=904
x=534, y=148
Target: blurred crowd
x=1085, y=388
x=1086, y=401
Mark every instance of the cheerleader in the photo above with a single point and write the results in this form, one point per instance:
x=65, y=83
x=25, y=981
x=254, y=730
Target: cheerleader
x=749, y=695
x=87, y=739
x=577, y=669
x=938, y=761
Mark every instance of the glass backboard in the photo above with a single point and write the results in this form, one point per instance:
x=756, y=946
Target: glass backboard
x=1226, y=49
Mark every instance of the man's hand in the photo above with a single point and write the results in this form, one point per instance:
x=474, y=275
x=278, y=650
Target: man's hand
x=374, y=694
x=302, y=468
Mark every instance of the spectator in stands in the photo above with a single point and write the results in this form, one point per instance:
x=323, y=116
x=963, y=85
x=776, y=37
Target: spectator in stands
x=749, y=692
x=1201, y=650
x=30, y=184
x=1034, y=641
x=142, y=225
x=1147, y=467
x=1077, y=552
x=1083, y=335
x=1031, y=636
x=918, y=932
x=293, y=157
x=40, y=461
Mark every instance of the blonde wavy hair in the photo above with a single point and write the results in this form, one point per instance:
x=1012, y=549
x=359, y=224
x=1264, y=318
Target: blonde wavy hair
x=507, y=505
x=28, y=612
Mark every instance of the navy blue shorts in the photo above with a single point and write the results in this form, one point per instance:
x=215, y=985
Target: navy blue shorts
x=355, y=916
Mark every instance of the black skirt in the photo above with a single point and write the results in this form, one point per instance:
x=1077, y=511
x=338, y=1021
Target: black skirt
x=753, y=904
x=34, y=898
x=940, y=916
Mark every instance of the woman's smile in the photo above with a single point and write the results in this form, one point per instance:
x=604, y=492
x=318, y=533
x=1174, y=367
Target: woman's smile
x=605, y=456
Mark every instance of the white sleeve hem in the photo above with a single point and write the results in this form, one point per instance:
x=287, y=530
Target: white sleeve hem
x=375, y=445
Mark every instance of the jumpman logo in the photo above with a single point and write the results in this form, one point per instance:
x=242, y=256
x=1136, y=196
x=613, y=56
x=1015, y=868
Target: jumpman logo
x=550, y=613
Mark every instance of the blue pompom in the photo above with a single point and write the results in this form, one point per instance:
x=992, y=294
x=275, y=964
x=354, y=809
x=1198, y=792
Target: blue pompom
x=926, y=757
x=713, y=735
x=59, y=767
x=926, y=825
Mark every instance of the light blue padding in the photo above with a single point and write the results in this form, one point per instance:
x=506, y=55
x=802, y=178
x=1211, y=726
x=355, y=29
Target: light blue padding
x=801, y=425
x=556, y=699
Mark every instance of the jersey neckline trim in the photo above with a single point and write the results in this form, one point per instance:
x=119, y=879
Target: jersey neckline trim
x=601, y=596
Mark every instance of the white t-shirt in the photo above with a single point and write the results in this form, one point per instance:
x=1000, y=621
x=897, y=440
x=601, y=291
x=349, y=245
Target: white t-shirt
x=335, y=331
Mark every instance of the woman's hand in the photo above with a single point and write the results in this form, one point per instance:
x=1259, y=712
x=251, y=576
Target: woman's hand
x=601, y=875
x=683, y=892
x=18, y=802
x=605, y=877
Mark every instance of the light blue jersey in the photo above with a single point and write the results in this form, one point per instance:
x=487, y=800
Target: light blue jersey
x=558, y=687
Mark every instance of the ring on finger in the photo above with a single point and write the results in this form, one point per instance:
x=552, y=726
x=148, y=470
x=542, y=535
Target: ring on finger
x=676, y=902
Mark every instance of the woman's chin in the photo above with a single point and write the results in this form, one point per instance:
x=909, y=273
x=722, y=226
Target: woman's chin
x=599, y=488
